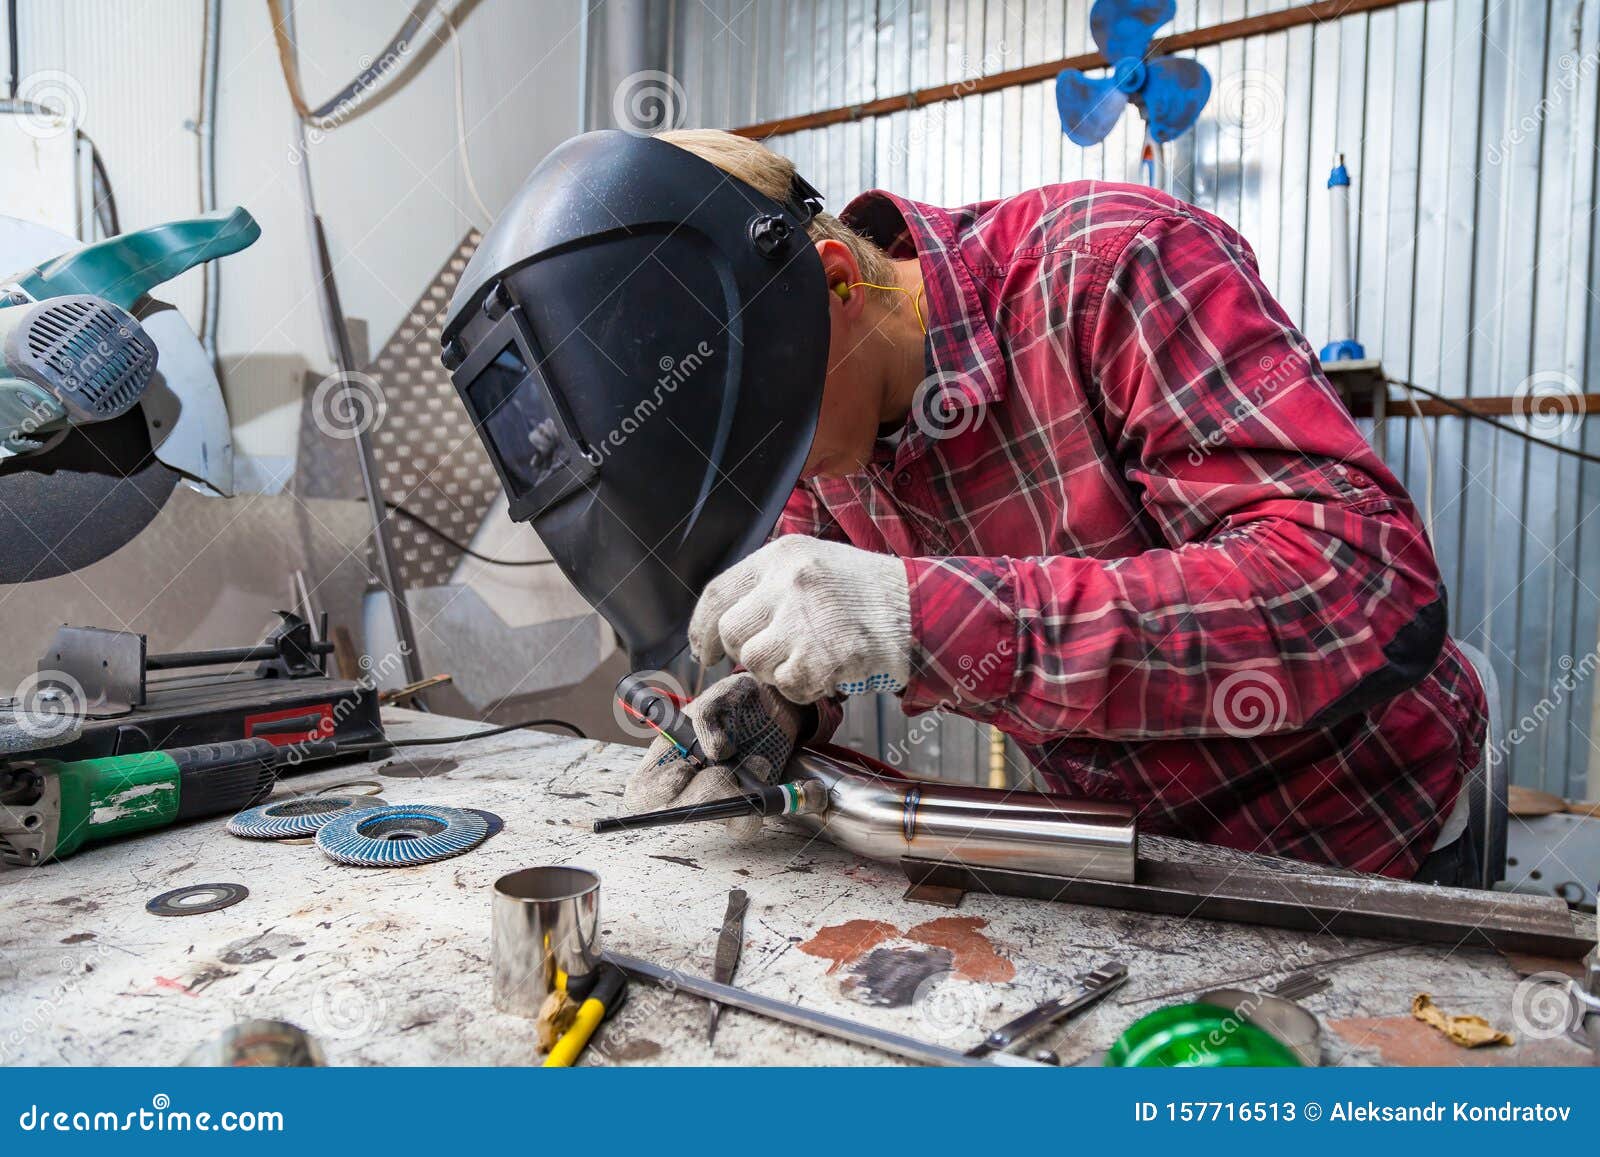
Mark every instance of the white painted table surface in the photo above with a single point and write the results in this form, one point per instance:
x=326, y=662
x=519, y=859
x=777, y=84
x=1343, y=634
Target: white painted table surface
x=391, y=966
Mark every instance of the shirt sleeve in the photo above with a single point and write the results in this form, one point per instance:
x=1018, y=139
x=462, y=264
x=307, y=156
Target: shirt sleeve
x=805, y=513
x=1290, y=585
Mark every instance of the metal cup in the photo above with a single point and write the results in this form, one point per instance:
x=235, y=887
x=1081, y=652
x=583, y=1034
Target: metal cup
x=546, y=935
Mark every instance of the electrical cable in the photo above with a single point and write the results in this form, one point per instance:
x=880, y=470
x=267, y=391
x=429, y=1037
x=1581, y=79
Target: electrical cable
x=373, y=83
x=1427, y=454
x=461, y=123
x=413, y=516
x=440, y=741
x=1468, y=412
x=105, y=201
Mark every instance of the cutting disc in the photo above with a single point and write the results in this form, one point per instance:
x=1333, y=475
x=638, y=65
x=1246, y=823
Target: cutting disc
x=299, y=816
x=402, y=834
x=196, y=899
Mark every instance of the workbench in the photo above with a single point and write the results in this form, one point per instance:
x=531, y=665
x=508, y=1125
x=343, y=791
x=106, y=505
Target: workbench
x=391, y=966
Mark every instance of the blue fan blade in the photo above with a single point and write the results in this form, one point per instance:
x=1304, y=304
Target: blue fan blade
x=1173, y=96
x=1125, y=27
x=1089, y=106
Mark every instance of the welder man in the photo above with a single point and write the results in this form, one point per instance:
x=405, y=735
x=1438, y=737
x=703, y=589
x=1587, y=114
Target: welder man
x=1076, y=474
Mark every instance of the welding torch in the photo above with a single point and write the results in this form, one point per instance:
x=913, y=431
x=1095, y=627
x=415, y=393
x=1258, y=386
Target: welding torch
x=756, y=798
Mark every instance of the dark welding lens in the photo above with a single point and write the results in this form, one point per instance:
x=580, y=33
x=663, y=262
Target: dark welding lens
x=514, y=413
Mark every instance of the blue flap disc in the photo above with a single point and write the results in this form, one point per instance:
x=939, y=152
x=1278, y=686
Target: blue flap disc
x=301, y=816
x=402, y=834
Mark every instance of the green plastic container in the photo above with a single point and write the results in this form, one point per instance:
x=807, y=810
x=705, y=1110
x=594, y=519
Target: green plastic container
x=1197, y=1036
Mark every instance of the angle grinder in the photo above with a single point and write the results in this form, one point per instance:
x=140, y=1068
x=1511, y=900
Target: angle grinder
x=49, y=808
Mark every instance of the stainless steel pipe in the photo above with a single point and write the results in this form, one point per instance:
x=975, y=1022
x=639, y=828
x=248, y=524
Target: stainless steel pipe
x=887, y=819
x=546, y=931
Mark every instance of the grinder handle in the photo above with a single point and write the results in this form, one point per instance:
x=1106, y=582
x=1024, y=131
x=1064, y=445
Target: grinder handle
x=123, y=269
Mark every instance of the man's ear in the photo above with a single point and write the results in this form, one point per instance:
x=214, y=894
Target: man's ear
x=840, y=268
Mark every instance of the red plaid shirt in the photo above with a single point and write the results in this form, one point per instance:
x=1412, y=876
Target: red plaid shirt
x=1144, y=537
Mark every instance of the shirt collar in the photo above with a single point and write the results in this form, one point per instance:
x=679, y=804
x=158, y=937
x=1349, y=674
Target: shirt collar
x=965, y=369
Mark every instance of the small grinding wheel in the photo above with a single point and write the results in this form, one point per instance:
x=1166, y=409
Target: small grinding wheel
x=196, y=899
x=402, y=834
x=299, y=816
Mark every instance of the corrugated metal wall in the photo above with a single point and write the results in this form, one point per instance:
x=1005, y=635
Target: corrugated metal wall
x=1470, y=130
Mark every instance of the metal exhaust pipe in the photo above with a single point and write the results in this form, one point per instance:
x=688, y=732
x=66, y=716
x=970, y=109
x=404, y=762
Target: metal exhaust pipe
x=888, y=819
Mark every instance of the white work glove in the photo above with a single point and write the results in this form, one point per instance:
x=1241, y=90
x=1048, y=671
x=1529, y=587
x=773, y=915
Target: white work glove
x=811, y=618
x=739, y=723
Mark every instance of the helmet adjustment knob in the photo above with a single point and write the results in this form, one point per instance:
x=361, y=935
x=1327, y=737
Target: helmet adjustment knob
x=498, y=303
x=452, y=355
x=770, y=234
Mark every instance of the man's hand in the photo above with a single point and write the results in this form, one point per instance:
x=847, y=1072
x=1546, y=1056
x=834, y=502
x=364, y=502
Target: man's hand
x=811, y=618
x=739, y=723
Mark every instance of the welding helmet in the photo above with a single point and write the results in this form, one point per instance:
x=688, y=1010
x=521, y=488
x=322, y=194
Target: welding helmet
x=641, y=342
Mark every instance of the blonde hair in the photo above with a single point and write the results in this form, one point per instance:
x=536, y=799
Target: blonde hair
x=773, y=174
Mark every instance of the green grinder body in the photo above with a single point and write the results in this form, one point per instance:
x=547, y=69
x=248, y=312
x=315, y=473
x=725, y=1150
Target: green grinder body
x=119, y=794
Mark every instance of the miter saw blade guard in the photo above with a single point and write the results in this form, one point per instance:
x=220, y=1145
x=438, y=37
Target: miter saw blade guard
x=95, y=486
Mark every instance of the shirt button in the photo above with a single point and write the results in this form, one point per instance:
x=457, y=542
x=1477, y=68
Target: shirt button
x=1359, y=479
x=903, y=478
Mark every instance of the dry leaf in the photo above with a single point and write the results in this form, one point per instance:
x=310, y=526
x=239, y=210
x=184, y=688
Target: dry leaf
x=1469, y=1032
x=555, y=1017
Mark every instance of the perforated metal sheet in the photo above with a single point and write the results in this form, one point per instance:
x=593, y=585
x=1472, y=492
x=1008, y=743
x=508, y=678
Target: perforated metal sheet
x=429, y=457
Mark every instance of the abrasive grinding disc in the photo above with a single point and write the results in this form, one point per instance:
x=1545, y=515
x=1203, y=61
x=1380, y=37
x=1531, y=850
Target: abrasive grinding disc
x=298, y=816
x=402, y=834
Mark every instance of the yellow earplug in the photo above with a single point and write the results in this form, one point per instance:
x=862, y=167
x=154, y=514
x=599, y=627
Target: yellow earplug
x=843, y=291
